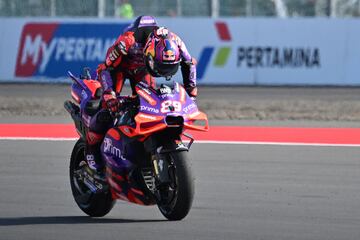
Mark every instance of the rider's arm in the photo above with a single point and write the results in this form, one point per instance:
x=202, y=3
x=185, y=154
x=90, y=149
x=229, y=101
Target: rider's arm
x=119, y=49
x=114, y=56
x=188, y=69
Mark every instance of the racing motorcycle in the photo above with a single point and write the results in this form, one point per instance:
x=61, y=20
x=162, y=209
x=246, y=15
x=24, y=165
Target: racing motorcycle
x=146, y=160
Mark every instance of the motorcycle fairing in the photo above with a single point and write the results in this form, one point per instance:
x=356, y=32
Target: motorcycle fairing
x=120, y=158
x=86, y=92
x=82, y=90
x=161, y=109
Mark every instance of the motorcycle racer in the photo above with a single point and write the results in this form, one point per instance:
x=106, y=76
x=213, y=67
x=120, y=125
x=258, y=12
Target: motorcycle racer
x=142, y=52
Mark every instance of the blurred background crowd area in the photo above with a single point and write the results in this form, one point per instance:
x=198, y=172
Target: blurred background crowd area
x=180, y=8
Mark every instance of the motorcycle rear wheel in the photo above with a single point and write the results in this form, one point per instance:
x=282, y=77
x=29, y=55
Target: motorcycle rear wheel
x=179, y=204
x=93, y=204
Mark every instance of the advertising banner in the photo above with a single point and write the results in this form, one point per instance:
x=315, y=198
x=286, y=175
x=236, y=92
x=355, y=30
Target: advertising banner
x=237, y=51
x=275, y=51
x=51, y=49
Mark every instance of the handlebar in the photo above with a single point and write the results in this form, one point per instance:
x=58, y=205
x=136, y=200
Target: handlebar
x=127, y=103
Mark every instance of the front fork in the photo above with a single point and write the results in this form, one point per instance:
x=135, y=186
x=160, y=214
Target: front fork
x=161, y=168
x=160, y=146
x=165, y=183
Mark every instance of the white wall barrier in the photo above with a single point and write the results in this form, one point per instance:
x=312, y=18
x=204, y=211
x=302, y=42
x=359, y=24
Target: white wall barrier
x=229, y=51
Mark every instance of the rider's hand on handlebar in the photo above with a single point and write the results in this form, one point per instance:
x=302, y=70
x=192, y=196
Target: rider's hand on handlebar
x=192, y=91
x=111, y=102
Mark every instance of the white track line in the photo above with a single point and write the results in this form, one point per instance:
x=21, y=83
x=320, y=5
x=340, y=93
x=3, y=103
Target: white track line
x=38, y=138
x=282, y=143
x=203, y=141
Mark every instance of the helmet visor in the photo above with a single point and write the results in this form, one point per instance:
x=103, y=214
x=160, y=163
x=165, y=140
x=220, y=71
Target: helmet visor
x=166, y=69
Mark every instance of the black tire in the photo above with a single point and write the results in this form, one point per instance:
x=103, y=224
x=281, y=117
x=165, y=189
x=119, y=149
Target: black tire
x=179, y=206
x=94, y=205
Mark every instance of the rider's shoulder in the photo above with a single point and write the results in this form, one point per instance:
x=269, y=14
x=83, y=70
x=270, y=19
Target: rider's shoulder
x=174, y=37
x=127, y=37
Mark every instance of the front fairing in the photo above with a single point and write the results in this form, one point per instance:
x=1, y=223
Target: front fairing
x=170, y=102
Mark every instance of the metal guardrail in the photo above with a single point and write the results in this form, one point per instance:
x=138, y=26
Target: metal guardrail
x=183, y=8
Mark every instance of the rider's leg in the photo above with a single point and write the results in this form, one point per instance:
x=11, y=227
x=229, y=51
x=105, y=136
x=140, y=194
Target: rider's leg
x=118, y=79
x=92, y=150
x=150, y=80
x=99, y=124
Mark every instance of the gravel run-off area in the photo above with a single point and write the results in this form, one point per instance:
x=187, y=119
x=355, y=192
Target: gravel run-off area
x=220, y=103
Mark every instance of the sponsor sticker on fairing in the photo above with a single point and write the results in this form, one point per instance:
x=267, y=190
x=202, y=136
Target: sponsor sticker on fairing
x=149, y=99
x=147, y=116
x=111, y=149
x=149, y=109
x=165, y=90
x=190, y=107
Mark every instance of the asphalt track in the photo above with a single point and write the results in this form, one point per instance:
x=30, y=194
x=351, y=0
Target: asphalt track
x=242, y=192
x=299, y=180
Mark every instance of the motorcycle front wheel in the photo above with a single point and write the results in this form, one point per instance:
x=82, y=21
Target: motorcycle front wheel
x=93, y=204
x=177, y=197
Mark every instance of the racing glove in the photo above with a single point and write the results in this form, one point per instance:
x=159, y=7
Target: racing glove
x=110, y=101
x=192, y=91
x=101, y=67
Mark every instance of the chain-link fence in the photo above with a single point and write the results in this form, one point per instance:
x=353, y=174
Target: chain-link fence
x=182, y=8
